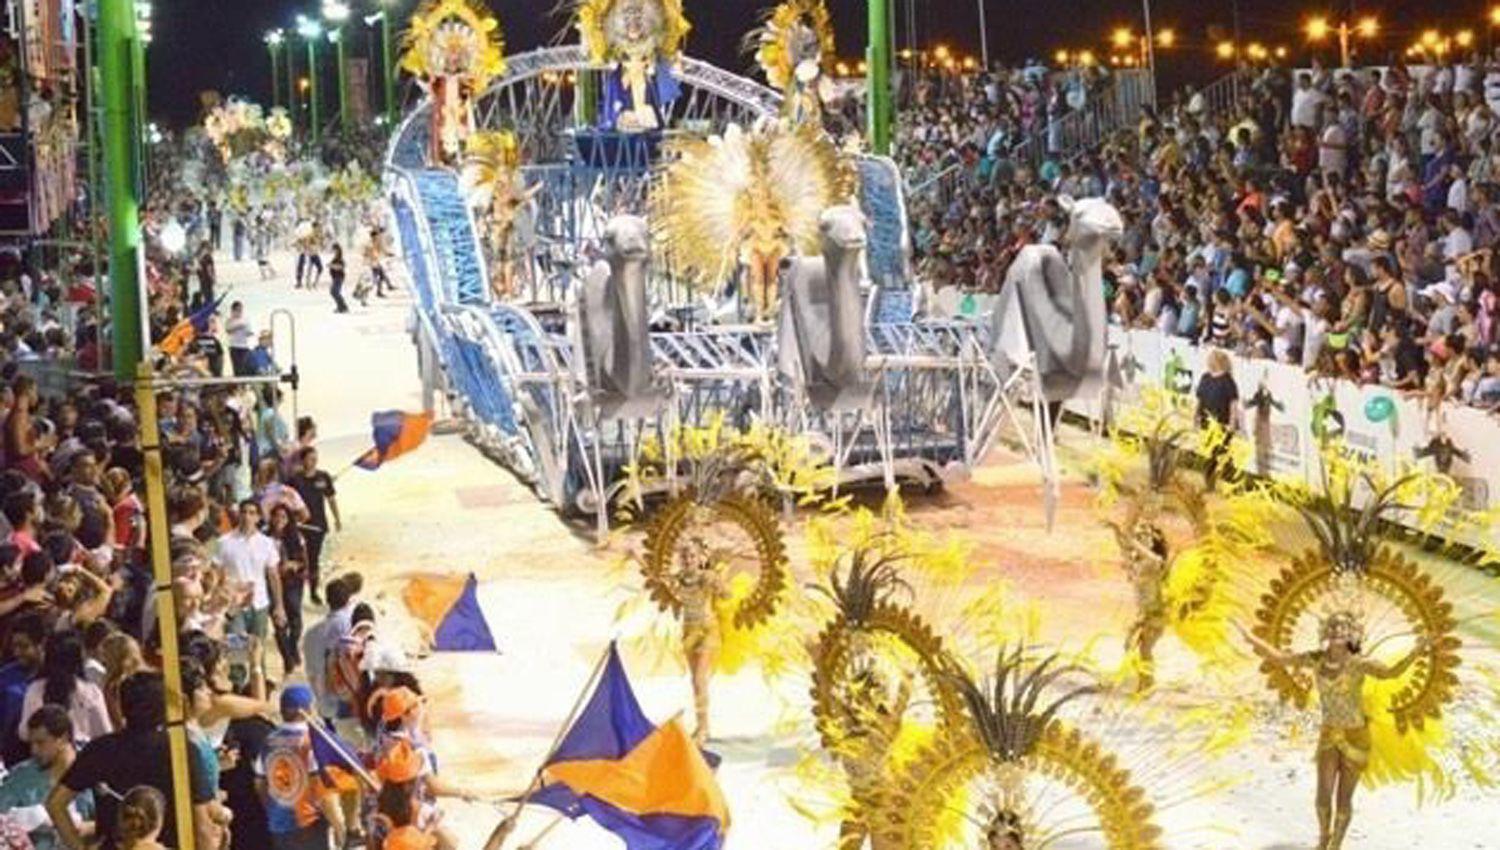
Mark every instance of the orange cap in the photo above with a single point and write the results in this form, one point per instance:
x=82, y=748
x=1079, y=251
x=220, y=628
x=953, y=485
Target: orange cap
x=409, y=838
x=396, y=703
x=400, y=763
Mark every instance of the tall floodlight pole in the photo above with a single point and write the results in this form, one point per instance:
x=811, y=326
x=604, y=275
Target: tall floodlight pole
x=1150, y=48
x=293, y=103
x=138, y=86
x=274, y=40
x=984, y=37
x=387, y=58
x=336, y=12
x=311, y=31
x=118, y=66
x=878, y=59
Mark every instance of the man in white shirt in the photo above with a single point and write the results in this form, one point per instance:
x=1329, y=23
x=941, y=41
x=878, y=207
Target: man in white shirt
x=1333, y=145
x=252, y=562
x=1307, y=103
x=1457, y=243
x=241, y=339
x=324, y=635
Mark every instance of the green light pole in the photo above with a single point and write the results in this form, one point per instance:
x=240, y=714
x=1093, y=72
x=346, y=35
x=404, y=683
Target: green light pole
x=311, y=31
x=138, y=87
x=878, y=60
x=117, y=54
x=336, y=13
x=274, y=40
x=387, y=58
x=293, y=103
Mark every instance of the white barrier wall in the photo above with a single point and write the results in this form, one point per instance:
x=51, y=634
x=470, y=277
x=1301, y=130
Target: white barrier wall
x=1283, y=435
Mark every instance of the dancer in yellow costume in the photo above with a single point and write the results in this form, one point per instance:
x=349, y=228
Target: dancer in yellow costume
x=1339, y=671
x=700, y=583
x=748, y=200
x=1382, y=719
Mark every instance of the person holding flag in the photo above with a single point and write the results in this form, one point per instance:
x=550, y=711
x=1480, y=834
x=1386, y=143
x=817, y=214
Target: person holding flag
x=649, y=785
x=302, y=804
x=186, y=331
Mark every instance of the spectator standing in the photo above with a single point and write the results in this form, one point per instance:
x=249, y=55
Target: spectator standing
x=24, y=790
x=240, y=333
x=62, y=683
x=302, y=811
x=118, y=763
x=1218, y=402
x=251, y=561
x=316, y=487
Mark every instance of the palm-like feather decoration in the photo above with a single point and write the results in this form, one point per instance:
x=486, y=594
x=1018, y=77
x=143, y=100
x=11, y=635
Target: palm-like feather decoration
x=873, y=576
x=491, y=160
x=1346, y=533
x=1012, y=712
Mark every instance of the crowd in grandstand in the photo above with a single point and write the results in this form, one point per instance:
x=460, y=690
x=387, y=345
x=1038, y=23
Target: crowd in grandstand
x=1343, y=221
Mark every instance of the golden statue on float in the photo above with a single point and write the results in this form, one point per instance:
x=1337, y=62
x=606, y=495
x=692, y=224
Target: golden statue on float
x=455, y=49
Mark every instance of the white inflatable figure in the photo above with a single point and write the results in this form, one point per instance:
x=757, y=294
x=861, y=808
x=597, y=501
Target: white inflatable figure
x=822, y=335
x=1049, y=340
x=613, y=317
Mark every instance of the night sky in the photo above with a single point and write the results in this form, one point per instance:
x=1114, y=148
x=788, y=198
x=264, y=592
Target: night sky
x=216, y=44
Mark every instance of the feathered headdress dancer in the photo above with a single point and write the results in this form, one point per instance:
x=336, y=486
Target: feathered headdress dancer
x=1001, y=773
x=1356, y=586
x=612, y=30
x=757, y=193
x=779, y=43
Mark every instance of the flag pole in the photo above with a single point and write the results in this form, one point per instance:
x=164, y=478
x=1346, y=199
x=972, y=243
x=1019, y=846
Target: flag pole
x=316, y=725
x=567, y=724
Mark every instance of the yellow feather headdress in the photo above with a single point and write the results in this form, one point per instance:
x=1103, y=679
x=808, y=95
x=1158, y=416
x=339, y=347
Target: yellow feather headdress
x=463, y=28
x=591, y=22
x=774, y=55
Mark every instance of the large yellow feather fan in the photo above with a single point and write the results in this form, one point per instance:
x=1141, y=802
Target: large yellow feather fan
x=759, y=191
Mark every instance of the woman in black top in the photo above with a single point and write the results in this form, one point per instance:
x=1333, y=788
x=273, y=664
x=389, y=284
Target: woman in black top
x=1218, y=400
x=288, y=536
x=336, y=273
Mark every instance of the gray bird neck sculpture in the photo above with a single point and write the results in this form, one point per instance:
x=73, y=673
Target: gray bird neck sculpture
x=822, y=337
x=1053, y=309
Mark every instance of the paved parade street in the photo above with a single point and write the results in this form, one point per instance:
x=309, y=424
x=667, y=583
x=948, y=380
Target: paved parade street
x=552, y=598
x=755, y=425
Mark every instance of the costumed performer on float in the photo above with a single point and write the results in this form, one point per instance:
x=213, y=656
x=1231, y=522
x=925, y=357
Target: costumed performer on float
x=795, y=48
x=642, y=40
x=455, y=49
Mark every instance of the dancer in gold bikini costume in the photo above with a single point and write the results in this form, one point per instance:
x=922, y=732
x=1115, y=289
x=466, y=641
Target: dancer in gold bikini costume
x=1339, y=671
x=700, y=584
x=1383, y=718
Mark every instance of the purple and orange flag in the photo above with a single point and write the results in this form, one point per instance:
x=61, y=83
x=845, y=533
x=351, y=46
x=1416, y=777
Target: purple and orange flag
x=449, y=607
x=395, y=434
x=649, y=785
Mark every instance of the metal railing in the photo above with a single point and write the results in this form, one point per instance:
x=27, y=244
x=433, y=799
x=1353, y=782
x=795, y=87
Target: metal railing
x=1105, y=113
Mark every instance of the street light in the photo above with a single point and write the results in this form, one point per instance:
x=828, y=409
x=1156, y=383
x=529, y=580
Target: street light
x=337, y=12
x=312, y=32
x=1318, y=29
x=274, y=41
x=388, y=57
